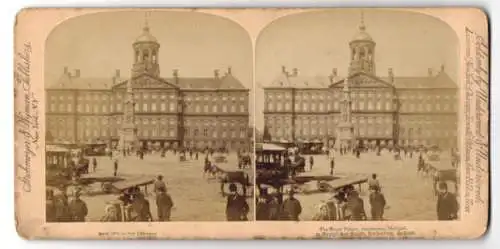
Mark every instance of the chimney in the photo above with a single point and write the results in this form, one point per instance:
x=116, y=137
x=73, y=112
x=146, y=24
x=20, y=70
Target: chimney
x=334, y=73
x=77, y=73
x=229, y=70
x=66, y=71
x=216, y=73
x=429, y=72
x=117, y=73
x=295, y=72
x=391, y=75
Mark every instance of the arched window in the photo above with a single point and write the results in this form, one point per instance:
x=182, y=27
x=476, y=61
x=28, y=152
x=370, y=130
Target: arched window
x=145, y=55
x=154, y=57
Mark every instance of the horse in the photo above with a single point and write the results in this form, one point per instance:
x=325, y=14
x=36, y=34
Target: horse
x=211, y=169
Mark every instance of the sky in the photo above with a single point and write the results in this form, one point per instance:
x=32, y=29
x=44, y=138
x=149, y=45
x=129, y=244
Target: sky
x=316, y=42
x=193, y=43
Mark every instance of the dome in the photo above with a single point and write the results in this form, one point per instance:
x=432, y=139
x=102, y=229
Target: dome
x=362, y=36
x=146, y=36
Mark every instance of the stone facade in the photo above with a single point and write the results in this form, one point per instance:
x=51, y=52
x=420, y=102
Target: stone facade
x=385, y=110
x=190, y=111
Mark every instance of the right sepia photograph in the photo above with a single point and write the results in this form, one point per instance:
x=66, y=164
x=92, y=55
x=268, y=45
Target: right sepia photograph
x=356, y=117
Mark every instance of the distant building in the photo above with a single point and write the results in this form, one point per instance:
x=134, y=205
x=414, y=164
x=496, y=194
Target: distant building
x=195, y=112
x=385, y=110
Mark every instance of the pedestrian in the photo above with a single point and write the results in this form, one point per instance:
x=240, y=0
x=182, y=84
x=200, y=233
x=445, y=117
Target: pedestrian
x=62, y=210
x=115, y=169
x=164, y=204
x=291, y=207
x=94, y=164
x=236, y=207
x=372, y=183
x=332, y=165
x=377, y=203
x=262, y=210
x=311, y=162
x=447, y=205
x=140, y=208
x=196, y=155
x=336, y=206
x=355, y=208
x=159, y=183
x=50, y=206
x=78, y=208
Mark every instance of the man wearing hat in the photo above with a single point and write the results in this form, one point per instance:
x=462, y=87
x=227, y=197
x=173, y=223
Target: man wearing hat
x=159, y=183
x=447, y=205
x=78, y=208
x=355, y=207
x=377, y=203
x=291, y=207
x=237, y=207
x=263, y=206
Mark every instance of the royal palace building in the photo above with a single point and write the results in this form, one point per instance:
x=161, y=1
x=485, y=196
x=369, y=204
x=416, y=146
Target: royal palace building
x=385, y=110
x=194, y=112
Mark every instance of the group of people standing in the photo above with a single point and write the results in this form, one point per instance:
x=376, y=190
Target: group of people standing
x=61, y=208
x=136, y=206
x=346, y=204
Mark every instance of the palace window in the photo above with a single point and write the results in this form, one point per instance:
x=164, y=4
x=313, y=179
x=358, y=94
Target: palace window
x=224, y=108
x=104, y=109
x=205, y=108
x=279, y=106
x=388, y=105
x=304, y=106
x=144, y=107
x=68, y=107
x=172, y=107
x=242, y=108
x=197, y=108
x=153, y=106
x=171, y=132
x=214, y=108
x=233, y=108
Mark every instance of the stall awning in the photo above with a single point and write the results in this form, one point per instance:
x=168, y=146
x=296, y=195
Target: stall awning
x=55, y=148
x=269, y=147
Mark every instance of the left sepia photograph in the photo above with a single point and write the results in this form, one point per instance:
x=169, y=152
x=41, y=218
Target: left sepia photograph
x=149, y=118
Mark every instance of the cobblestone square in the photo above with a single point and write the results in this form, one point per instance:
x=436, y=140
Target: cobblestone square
x=195, y=198
x=409, y=195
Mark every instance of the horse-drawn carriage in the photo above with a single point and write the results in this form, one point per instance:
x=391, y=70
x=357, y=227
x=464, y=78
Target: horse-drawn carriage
x=57, y=160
